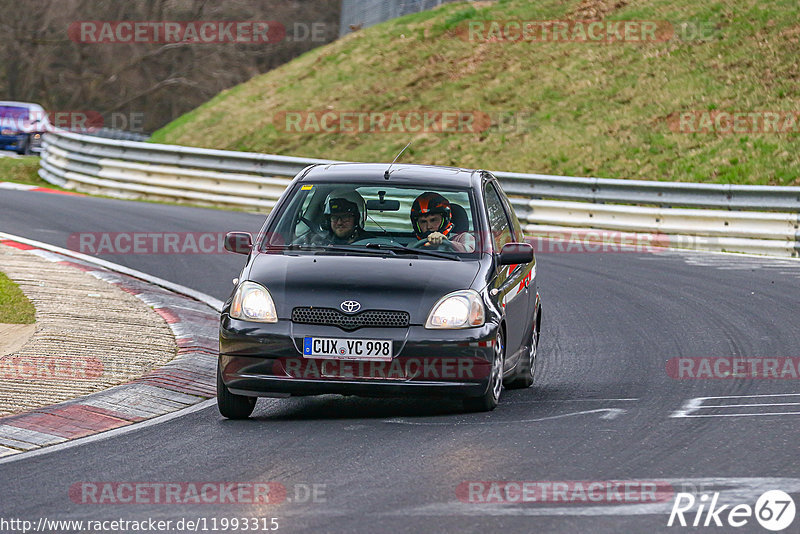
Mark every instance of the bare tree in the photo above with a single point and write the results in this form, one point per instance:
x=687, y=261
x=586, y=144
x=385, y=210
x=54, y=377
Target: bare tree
x=39, y=61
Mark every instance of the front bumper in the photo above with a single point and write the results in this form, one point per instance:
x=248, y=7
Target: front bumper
x=8, y=141
x=16, y=141
x=258, y=359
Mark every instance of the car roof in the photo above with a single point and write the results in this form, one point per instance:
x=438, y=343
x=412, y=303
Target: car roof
x=399, y=173
x=29, y=105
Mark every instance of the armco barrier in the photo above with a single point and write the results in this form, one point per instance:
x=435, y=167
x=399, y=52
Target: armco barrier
x=752, y=219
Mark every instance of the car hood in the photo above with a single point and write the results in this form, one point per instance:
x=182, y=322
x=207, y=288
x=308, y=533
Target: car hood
x=377, y=283
x=12, y=124
x=22, y=125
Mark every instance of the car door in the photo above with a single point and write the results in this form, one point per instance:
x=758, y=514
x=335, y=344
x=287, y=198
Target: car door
x=529, y=277
x=512, y=280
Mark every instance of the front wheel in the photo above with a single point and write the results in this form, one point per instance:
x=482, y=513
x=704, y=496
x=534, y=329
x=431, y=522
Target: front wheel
x=489, y=400
x=526, y=367
x=230, y=405
x=24, y=148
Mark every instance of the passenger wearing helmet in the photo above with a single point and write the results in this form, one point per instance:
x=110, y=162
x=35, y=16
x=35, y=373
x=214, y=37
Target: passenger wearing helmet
x=431, y=219
x=345, y=214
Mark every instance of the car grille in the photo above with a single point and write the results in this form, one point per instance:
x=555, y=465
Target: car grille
x=367, y=318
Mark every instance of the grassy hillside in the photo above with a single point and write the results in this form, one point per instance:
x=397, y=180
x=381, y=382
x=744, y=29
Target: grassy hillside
x=572, y=108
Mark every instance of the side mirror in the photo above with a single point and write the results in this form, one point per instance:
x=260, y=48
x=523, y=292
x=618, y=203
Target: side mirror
x=239, y=242
x=516, y=253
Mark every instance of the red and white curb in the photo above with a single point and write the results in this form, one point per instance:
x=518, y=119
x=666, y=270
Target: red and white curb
x=183, y=382
x=26, y=187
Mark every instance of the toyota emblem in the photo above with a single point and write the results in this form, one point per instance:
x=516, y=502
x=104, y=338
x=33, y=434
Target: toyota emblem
x=350, y=306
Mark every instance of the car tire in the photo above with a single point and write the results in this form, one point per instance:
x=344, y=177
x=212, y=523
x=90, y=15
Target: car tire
x=526, y=367
x=230, y=405
x=489, y=400
x=25, y=148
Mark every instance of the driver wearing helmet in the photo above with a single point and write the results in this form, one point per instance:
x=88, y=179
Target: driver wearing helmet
x=431, y=218
x=345, y=214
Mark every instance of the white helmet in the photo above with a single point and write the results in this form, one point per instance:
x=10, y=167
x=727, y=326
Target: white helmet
x=348, y=201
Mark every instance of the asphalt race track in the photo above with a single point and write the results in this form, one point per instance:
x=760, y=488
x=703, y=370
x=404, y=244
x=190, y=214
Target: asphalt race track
x=602, y=408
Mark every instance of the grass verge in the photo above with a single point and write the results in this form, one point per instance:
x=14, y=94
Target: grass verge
x=22, y=171
x=15, y=308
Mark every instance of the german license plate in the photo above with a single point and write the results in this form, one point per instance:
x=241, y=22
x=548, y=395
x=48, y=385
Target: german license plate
x=347, y=349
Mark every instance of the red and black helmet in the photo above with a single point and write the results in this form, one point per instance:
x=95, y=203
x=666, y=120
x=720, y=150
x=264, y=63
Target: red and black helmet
x=431, y=203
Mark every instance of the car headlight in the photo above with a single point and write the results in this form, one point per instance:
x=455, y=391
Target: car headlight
x=460, y=309
x=252, y=302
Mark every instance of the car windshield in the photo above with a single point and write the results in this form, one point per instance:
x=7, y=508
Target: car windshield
x=13, y=112
x=375, y=219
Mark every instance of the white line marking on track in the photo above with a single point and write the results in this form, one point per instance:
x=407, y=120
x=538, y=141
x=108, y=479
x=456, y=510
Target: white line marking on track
x=750, y=405
x=698, y=403
x=543, y=401
x=738, y=414
x=754, y=396
x=608, y=413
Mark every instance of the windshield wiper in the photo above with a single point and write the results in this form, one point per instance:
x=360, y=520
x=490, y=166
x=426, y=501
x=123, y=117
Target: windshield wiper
x=373, y=248
x=338, y=248
x=399, y=249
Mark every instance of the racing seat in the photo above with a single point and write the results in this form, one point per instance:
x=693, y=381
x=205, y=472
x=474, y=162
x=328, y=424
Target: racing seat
x=459, y=217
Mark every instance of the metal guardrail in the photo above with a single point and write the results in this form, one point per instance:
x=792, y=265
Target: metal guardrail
x=743, y=218
x=665, y=194
x=113, y=133
x=359, y=14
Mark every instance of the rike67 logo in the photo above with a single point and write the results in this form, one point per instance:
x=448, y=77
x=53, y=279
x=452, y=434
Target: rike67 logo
x=774, y=510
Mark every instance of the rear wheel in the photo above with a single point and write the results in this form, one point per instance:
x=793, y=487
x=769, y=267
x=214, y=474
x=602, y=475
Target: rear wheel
x=230, y=405
x=489, y=400
x=526, y=367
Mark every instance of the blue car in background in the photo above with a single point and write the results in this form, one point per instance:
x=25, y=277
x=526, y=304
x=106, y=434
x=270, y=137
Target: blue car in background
x=21, y=127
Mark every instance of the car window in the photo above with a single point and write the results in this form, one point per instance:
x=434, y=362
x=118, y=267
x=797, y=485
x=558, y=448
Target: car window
x=400, y=220
x=516, y=228
x=13, y=112
x=498, y=220
x=303, y=220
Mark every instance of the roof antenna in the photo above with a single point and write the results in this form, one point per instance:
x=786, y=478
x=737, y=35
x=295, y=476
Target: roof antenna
x=386, y=172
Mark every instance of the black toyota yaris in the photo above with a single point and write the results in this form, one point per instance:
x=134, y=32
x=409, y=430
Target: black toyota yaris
x=377, y=280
